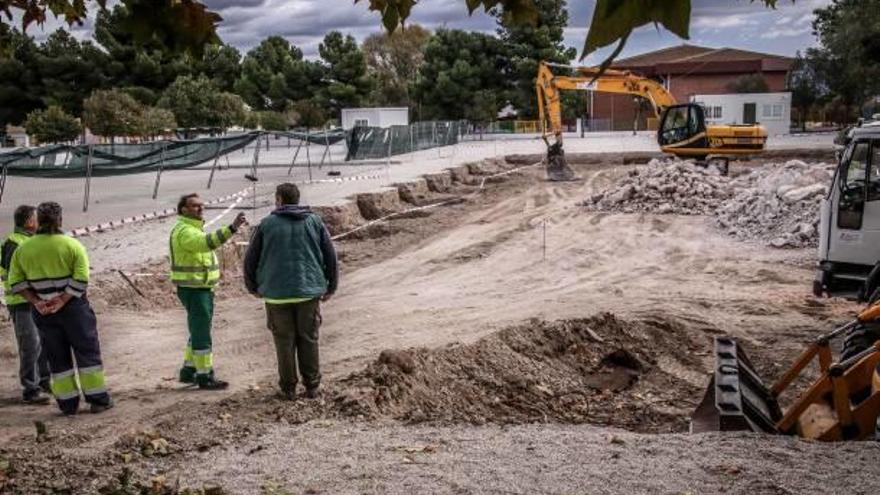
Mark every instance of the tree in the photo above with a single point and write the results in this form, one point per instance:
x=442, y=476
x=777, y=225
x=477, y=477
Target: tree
x=188, y=25
x=529, y=44
x=229, y=110
x=807, y=87
x=197, y=102
x=112, y=113
x=848, y=57
x=465, y=76
x=265, y=71
x=749, y=83
x=346, y=78
x=155, y=121
x=272, y=121
x=308, y=113
x=185, y=25
x=221, y=64
x=52, y=125
x=69, y=71
x=395, y=60
x=131, y=62
x=20, y=82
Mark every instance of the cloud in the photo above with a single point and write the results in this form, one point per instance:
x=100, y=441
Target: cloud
x=785, y=32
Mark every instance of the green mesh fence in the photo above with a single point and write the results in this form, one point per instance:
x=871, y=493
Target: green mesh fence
x=381, y=142
x=61, y=161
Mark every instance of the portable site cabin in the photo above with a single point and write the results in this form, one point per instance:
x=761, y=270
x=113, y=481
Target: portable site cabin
x=374, y=117
x=771, y=110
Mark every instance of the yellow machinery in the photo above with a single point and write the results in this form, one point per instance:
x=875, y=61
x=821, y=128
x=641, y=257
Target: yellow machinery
x=843, y=403
x=682, y=131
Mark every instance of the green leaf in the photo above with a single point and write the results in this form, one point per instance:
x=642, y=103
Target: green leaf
x=391, y=17
x=472, y=5
x=615, y=19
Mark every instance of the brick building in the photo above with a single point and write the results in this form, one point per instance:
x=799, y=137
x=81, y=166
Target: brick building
x=686, y=70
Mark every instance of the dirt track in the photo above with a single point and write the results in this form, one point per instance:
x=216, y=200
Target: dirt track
x=456, y=278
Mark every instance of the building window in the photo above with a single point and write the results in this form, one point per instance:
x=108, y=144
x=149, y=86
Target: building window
x=772, y=111
x=711, y=111
x=361, y=123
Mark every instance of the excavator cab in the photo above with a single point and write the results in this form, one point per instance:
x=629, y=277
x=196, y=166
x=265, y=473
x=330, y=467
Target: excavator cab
x=682, y=126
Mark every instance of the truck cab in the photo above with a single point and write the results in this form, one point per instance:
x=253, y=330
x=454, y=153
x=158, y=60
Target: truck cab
x=849, y=227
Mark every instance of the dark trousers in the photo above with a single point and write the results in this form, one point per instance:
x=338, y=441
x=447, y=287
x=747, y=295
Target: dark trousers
x=198, y=358
x=68, y=335
x=33, y=369
x=295, y=327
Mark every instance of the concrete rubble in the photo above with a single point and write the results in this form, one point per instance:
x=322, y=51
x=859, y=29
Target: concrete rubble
x=776, y=204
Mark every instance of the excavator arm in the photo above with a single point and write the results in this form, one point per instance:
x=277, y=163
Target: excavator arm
x=589, y=79
x=549, y=87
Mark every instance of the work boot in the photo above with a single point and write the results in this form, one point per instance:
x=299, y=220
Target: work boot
x=287, y=395
x=213, y=384
x=313, y=392
x=35, y=398
x=187, y=375
x=96, y=408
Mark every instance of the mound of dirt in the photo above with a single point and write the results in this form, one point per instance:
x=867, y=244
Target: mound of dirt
x=777, y=205
x=665, y=186
x=601, y=370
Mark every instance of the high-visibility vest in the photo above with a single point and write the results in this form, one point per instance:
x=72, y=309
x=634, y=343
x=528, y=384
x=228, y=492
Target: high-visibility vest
x=14, y=240
x=50, y=265
x=193, y=262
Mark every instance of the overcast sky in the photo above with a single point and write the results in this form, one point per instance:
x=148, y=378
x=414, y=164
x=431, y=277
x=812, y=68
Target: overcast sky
x=714, y=23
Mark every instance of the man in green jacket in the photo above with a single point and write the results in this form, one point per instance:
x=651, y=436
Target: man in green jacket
x=33, y=370
x=51, y=271
x=291, y=264
x=195, y=271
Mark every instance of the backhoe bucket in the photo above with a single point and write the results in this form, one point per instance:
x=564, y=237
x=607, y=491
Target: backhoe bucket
x=557, y=167
x=737, y=399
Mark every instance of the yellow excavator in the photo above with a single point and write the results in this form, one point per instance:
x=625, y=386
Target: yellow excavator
x=683, y=131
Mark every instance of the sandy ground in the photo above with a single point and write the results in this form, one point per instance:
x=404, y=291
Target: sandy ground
x=454, y=277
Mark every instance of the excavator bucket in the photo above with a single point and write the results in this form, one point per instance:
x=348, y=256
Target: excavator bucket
x=737, y=399
x=557, y=167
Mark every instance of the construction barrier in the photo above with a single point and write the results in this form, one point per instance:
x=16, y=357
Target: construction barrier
x=383, y=142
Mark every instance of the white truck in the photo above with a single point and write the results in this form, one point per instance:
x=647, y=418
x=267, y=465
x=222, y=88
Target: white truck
x=849, y=228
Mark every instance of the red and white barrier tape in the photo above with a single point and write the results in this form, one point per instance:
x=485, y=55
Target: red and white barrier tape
x=154, y=215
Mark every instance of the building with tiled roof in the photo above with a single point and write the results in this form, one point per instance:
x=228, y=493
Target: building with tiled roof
x=687, y=70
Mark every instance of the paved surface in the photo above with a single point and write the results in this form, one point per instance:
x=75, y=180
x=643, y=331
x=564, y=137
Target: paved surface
x=112, y=198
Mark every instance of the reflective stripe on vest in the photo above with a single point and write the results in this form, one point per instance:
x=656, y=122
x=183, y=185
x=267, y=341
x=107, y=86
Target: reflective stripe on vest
x=195, y=269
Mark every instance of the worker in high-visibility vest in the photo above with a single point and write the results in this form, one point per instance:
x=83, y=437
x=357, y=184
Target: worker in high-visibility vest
x=195, y=271
x=51, y=270
x=33, y=369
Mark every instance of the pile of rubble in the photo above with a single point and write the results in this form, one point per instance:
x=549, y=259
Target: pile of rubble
x=665, y=186
x=777, y=204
